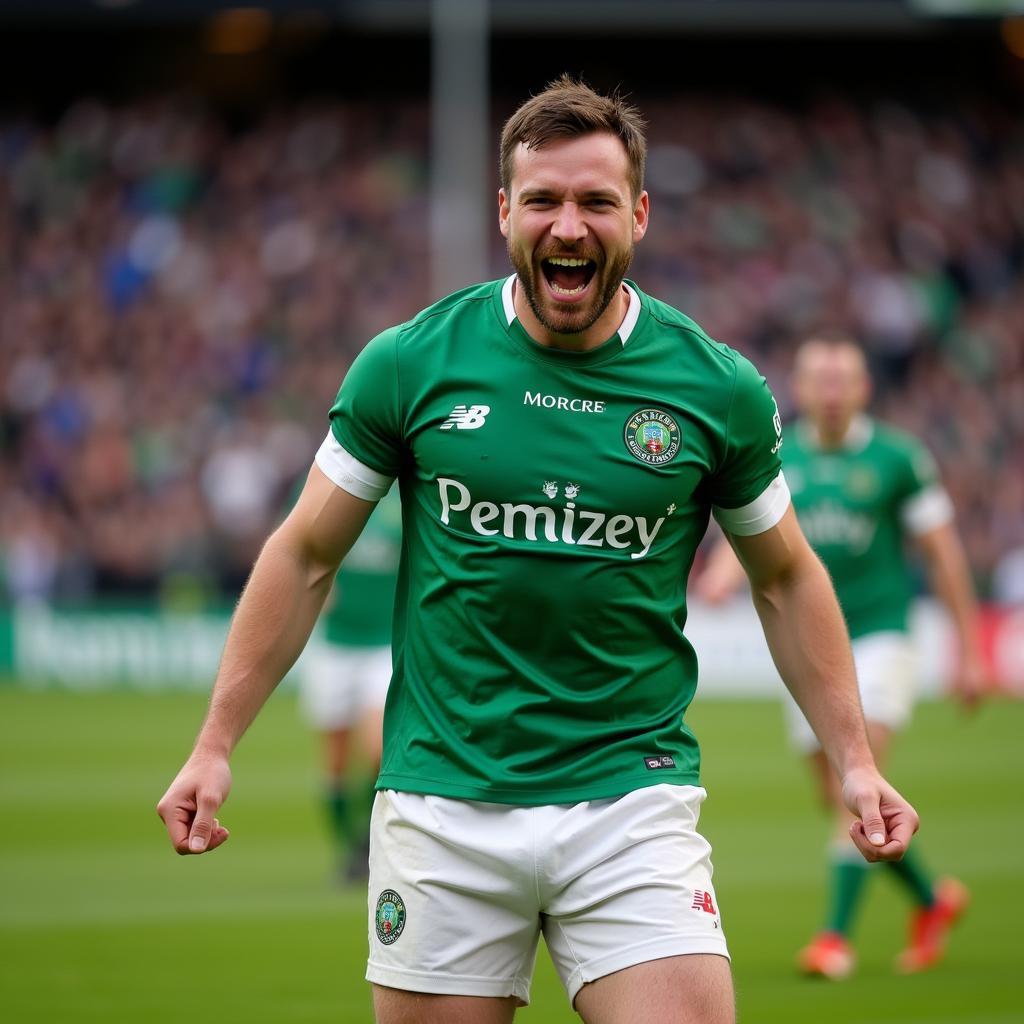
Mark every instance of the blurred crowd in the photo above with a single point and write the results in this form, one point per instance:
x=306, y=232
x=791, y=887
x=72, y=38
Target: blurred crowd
x=180, y=298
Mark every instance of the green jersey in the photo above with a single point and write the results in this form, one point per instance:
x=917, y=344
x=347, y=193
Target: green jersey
x=856, y=504
x=552, y=504
x=360, y=606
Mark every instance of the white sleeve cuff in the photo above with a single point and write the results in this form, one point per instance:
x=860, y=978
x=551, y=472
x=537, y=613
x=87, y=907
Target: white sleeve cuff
x=926, y=510
x=348, y=473
x=760, y=515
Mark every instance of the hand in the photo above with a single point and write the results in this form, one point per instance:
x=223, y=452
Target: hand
x=885, y=820
x=190, y=803
x=970, y=680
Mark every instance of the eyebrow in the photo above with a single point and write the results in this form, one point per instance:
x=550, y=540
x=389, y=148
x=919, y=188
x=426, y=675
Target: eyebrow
x=594, y=193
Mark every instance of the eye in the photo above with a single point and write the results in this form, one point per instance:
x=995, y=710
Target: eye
x=539, y=201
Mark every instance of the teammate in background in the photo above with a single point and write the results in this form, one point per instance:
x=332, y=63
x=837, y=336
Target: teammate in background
x=344, y=680
x=860, y=489
x=560, y=439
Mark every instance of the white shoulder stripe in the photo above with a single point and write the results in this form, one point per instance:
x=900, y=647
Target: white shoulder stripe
x=759, y=515
x=926, y=510
x=348, y=473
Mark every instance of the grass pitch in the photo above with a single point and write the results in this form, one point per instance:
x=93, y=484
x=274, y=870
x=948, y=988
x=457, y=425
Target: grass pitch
x=100, y=921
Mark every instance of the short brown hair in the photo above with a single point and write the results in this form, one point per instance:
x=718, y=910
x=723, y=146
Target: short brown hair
x=569, y=108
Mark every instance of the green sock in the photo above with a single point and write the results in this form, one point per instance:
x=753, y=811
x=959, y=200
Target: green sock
x=339, y=813
x=348, y=810
x=847, y=883
x=912, y=873
x=365, y=805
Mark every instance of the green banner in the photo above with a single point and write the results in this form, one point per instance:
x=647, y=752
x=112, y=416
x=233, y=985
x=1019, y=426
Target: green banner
x=98, y=649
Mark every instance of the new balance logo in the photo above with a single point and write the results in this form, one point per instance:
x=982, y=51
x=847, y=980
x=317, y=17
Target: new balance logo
x=466, y=418
x=702, y=901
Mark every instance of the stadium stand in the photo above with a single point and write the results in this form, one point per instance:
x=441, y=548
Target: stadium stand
x=179, y=300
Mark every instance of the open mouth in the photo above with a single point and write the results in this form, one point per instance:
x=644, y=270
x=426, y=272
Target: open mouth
x=568, y=276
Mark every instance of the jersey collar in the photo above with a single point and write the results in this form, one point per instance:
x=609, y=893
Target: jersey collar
x=625, y=328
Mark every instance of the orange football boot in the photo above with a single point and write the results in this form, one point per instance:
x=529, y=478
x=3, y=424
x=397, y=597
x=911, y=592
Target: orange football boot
x=930, y=927
x=828, y=956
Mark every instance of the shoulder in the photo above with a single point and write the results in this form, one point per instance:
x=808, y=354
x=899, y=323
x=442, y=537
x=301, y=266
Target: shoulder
x=447, y=314
x=889, y=438
x=714, y=360
x=907, y=458
x=900, y=447
x=417, y=344
x=676, y=325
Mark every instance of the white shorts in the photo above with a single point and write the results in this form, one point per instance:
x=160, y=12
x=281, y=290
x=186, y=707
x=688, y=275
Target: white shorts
x=460, y=890
x=886, y=678
x=338, y=685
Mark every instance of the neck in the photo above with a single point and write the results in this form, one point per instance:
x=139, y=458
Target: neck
x=833, y=435
x=593, y=337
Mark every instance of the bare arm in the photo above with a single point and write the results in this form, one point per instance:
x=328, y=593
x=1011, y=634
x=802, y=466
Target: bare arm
x=809, y=644
x=951, y=580
x=273, y=621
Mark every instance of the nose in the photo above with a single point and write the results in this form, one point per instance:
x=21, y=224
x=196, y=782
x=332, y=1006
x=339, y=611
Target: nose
x=569, y=226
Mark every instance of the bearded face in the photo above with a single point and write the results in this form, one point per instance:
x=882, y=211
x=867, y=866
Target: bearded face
x=569, y=293
x=571, y=224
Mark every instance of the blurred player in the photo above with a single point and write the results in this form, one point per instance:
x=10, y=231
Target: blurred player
x=560, y=439
x=345, y=675
x=860, y=489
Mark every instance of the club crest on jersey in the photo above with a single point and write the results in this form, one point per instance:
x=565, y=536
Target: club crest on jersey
x=861, y=483
x=652, y=436
x=390, y=916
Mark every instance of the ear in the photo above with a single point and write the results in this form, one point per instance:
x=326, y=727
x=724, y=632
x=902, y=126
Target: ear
x=504, y=209
x=641, y=215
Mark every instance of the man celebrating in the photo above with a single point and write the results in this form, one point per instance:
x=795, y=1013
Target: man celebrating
x=860, y=489
x=560, y=440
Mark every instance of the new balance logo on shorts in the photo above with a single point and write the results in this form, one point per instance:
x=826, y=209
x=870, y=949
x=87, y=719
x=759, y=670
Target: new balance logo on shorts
x=466, y=418
x=702, y=901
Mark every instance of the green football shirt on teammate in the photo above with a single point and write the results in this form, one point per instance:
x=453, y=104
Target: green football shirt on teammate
x=857, y=504
x=862, y=490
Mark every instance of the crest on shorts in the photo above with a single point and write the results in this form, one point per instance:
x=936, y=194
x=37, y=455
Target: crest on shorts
x=652, y=436
x=390, y=916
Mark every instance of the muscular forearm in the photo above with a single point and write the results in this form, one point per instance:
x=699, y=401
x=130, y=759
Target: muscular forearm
x=808, y=640
x=809, y=644
x=271, y=625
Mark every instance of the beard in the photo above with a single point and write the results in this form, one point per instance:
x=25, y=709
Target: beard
x=574, y=318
